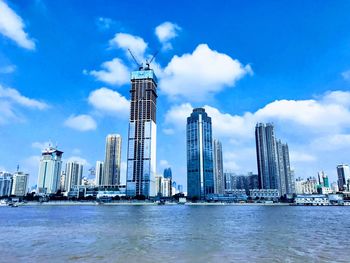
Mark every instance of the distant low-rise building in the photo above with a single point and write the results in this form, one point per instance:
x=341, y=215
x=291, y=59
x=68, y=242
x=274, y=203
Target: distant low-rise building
x=311, y=199
x=246, y=182
x=308, y=186
x=265, y=193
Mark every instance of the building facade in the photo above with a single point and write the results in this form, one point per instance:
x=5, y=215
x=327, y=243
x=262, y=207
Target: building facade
x=5, y=184
x=20, y=184
x=243, y=182
x=111, y=173
x=200, y=174
x=73, y=174
x=141, y=155
x=99, y=173
x=267, y=158
x=49, y=171
x=343, y=171
x=273, y=161
x=286, y=176
x=219, y=183
x=168, y=177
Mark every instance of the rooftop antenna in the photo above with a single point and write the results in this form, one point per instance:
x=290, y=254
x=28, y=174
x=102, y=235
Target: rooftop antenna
x=148, y=63
x=17, y=167
x=136, y=61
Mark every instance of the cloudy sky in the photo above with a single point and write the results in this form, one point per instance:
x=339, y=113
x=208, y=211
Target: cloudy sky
x=64, y=78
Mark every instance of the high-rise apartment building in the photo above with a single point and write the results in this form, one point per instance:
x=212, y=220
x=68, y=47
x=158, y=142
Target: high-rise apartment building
x=343, y=171
x=219, y=183
x=49, y=171
x=20, y=184
x=200, y=177
x=111, y=173
x=167, y=187
x=73, y=175
x=141, y=155
x=273, y=161
x=5, y=184
x=267, y=158
x=286, y=177
x=99, y=173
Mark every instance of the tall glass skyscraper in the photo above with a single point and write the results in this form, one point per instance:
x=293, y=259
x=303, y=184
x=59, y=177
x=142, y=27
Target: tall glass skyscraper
x=50, y=171
x=200, y=177
x=111, y=174
x=218, y=168
x=343, y=171
x=99, y=173
x=141, y=156
x=267, y=158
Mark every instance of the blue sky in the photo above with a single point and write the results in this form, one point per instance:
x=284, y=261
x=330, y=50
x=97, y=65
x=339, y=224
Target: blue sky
x=64, y=78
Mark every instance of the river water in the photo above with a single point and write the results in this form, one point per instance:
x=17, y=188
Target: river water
x=174, y=234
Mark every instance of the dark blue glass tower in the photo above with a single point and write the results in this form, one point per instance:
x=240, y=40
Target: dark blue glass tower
x=167, y=173
x=200, y=177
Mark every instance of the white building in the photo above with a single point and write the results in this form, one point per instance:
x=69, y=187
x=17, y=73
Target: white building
x=49, y=171
x=74, y=174
x=167, y=187
x=20, y=184
x=311, y=199
x=308, y=186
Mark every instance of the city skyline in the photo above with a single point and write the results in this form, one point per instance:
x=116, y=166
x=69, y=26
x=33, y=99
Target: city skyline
x=246, y=80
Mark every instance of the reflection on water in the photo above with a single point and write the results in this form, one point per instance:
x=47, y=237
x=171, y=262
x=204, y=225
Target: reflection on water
x=174, y=233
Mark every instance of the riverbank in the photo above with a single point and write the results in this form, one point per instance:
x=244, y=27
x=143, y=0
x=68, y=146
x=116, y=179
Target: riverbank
x=76, y=203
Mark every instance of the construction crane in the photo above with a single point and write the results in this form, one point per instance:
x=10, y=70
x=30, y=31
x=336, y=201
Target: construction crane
x=140, y=65
x=136, y=61
x=149, y=62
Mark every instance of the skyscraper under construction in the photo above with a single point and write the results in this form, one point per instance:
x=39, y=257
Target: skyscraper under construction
x=141, y=156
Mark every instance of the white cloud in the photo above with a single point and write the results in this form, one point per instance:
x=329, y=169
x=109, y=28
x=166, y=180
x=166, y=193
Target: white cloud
x=329, y=114
x=296, y=156
x=7, y=69
x=332, y=142
x=165, y=32
x=114, y=72
x=104, y=23
x=81, y=122
x=41, y=145
x=78, y=159
x=11, y=102
x=346, y=75
x=12, y=26
x=109, y=101
x=127, y=41
x=177, y=115
x=202, y=73
x=15, y=97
